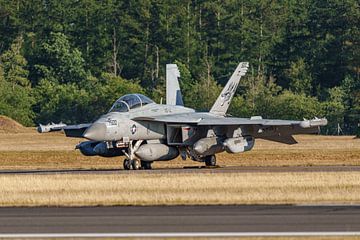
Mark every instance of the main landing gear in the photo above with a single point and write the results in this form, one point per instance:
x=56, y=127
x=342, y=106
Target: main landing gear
x=210, y=161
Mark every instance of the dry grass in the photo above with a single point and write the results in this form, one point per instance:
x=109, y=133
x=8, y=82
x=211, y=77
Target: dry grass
x=8, y=125
x=173, y=189
x=31, y=150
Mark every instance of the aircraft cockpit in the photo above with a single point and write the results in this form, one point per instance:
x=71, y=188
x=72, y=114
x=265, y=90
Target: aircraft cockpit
x=130, y=101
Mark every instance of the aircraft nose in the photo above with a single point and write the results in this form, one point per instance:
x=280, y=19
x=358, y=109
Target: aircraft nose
x=95, y=132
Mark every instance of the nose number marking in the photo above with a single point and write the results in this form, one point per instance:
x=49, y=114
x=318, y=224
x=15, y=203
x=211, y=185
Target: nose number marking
x=111, y=121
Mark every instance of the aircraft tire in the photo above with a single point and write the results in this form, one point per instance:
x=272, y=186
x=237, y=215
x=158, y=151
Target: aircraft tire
x=146, y=165
x=135, y=164
x=127, y=164
x=210, y=160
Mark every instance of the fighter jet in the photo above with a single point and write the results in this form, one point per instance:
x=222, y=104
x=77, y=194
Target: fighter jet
x=143, y=131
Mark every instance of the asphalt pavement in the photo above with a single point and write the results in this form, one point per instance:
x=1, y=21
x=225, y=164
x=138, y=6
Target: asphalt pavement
x=179, y=220
x=218, y=169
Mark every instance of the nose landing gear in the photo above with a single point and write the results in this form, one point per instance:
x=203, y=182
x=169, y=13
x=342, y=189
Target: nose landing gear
x=132, y=162
x=136, y=164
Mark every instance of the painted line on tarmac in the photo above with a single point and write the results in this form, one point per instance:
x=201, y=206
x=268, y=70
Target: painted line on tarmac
x=325, y=205
x=177, y=234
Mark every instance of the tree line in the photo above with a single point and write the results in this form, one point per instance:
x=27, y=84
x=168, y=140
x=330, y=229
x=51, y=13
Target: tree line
x=70, y=60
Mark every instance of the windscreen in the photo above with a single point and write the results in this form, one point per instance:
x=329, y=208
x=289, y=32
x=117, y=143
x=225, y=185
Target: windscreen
x=130, y=101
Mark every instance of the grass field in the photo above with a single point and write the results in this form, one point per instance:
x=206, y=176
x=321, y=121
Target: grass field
x=174, y=189
x=31, y=150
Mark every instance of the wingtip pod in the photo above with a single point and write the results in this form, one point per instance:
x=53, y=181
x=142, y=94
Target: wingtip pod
x=50, y=127
x=316, y=122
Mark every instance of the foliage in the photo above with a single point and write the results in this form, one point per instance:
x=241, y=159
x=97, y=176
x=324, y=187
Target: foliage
x=15, y=92
x=203, y=94
x=335, y=109
x=304, y=51
x=60, y=102
x=14, y=64
x=300, y=78
x=60, y=62
x=110, y=88
x=16, y=103
x=71, y=104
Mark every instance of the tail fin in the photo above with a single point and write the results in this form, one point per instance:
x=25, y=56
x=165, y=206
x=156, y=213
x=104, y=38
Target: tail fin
x=223, y=101
x=173, y=94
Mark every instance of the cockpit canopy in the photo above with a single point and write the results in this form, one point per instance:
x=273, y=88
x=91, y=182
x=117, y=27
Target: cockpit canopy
x=130, y=101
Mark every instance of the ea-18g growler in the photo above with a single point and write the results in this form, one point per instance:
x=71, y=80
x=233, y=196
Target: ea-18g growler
x=143, y=131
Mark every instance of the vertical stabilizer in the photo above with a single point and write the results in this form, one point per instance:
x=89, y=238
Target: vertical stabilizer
x=173, y=93
x=223, y=101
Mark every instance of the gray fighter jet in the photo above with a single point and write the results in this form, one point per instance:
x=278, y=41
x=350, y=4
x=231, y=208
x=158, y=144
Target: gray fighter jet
x=143, y=131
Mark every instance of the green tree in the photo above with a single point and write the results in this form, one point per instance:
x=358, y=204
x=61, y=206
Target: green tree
x=61, y=102
x=334, y=109
x=351, y=88
x=60, y=62
x=14, y=64
x=71, y=104
x=15, y=91
x=186, y=83
x=110, y=88
x=300, y=77
x=288, y=105
x=239, y=107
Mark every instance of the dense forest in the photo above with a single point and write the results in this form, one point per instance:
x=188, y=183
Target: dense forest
x=69, y=60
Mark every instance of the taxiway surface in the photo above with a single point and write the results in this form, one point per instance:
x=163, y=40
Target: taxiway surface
x=221, y=169
x=180, y=219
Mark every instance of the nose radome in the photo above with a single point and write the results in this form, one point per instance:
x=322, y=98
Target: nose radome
x=95, y=132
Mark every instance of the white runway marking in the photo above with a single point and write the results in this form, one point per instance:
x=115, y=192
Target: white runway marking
x=177, y=234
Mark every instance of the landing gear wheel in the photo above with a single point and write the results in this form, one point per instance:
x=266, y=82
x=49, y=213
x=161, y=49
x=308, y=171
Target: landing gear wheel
x=127, y=164
x=210, y=161
x=135, y=164
x=145, y=165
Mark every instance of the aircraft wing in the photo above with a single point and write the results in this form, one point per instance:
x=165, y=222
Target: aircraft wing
x=246, y=121
x=76, y=131
x=226, y=121
x=269, y=129
x=181, y=118
x=203, y=119
x=70, y=130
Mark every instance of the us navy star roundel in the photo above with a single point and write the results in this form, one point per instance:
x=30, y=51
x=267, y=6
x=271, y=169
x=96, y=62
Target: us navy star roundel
x=133, y=129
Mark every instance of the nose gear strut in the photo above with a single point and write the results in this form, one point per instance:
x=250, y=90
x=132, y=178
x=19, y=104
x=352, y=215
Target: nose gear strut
x=131, y=162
